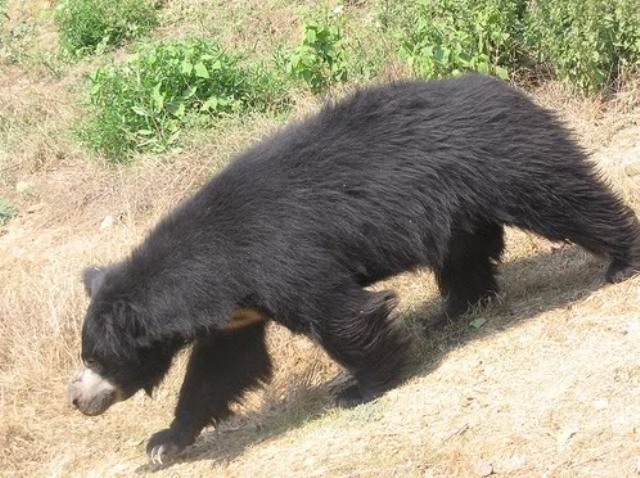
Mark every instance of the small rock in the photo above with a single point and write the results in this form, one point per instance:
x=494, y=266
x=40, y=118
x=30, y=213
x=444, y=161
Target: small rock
x=564, y=437
x=23, y=187
x=107, y=222
x=482, y=468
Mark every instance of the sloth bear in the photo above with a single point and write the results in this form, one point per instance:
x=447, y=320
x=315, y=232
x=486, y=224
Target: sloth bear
x=393, y=178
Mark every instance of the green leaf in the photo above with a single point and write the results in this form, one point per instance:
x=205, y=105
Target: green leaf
x=158, y=98
x=210, y=104
x=201, y=70
x=186, y=68
x=190, y=93
x=502, y=73
x=310, y=35
x=139, y=110
x=179, y=112
x=478, y=323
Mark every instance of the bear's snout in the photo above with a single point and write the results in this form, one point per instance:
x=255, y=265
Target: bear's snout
x=92, y=394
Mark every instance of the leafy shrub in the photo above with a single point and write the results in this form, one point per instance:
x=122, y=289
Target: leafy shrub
x=589, y=42
x=142, y=104
x=7, y=212
x=320, y=60
x=444, y=37
x=87, y=26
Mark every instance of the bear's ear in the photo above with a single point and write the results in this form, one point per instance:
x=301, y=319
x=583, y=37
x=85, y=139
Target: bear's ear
x=92, y=278
x=128, y=318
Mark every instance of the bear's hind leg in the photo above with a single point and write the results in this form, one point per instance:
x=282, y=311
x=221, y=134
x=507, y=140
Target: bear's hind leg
x=358, y=333
x=588, y=214
x=467, y=275
x=221, y=368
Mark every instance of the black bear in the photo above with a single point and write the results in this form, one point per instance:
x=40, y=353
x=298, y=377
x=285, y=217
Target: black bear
x=393, y=178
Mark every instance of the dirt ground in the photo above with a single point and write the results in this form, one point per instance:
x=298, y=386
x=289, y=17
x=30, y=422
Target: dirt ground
x=545, y=382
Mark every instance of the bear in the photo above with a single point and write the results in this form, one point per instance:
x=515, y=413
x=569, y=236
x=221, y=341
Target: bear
x=394, y=177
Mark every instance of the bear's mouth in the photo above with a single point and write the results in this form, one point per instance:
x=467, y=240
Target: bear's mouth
x=92, y=394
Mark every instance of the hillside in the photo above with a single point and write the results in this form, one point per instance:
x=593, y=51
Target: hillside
x=547, y=383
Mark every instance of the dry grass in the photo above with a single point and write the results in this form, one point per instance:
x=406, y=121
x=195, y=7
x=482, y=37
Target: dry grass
x=247, y=25
x=549, y=385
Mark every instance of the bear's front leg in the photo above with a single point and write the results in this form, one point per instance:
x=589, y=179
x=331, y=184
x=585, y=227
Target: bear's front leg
x=358, y=333
x=222, y=367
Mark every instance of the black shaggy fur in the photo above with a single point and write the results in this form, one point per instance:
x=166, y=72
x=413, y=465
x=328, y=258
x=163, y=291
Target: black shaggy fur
x=391, y=179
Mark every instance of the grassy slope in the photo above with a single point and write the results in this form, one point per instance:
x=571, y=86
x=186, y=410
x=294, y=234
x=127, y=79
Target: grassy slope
x=551, y=383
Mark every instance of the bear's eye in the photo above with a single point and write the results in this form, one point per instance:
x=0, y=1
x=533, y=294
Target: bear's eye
x=92, y=364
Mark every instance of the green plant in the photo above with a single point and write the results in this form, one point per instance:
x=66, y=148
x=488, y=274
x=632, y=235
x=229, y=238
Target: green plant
x=589, y=42
x=87, y=26
x=321, y=59
x=444, y=37
x=7, y=212
x=141, y=105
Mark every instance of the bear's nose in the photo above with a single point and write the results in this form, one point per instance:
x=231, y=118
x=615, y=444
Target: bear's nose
x=73, y=394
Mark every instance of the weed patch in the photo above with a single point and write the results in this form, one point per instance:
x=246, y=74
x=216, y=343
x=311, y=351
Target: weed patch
x=588, y=43
x=320, y=60
x=7, y=212
x=141, y=105
x=448, y=37
x=88, y=26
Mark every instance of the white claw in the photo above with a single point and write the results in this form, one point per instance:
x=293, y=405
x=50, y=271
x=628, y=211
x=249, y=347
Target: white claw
x=159, y=454
x=152, y=455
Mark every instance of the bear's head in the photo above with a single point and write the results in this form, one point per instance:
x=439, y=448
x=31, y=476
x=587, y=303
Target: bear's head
x=121, y=352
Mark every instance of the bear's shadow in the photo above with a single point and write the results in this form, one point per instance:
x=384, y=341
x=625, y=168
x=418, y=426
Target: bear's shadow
x=527, y=291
